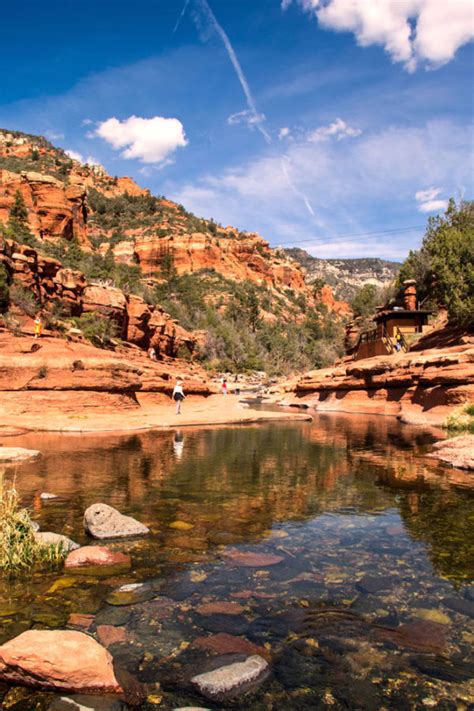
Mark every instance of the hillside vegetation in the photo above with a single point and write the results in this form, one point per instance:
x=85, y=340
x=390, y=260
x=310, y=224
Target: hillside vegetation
x=251, y=307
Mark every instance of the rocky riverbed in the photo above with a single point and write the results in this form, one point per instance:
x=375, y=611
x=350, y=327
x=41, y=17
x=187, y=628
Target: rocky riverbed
x=303, y=566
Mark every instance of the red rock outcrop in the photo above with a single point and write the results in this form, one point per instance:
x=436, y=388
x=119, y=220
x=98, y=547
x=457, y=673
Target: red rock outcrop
x=58, y=659
x=56, y=196
x=234, y=255
x=51, y=284
x=55, y=210
x=420, y=387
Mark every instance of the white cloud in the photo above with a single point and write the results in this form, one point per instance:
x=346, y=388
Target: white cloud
x=87, y=122
x=90, y=160
x=247, y=116
x=411, y=31
x=284, y=133
x=150, y=140
x=75, y=155
x=428, y=200
x=339, y=129
x=351, y=186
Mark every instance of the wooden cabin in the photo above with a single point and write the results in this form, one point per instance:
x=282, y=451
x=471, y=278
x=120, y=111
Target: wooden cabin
x=403, y=321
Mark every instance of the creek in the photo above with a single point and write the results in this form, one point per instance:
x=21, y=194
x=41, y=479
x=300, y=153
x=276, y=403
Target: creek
x=344, y=551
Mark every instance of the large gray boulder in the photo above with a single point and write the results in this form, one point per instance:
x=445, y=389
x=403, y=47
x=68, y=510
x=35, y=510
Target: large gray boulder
x=103, y=521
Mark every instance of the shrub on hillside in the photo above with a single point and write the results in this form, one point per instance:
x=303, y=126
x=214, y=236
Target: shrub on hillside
x=4, y=289
x=100, y=331
x=23, y=299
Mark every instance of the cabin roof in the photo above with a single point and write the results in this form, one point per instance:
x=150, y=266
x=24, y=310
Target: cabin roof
x=399, y=313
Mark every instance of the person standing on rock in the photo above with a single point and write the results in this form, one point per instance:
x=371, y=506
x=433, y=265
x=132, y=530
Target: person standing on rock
x=38, y=325
x=178, y=395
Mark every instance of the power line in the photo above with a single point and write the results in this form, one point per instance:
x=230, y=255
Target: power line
x=352, y=237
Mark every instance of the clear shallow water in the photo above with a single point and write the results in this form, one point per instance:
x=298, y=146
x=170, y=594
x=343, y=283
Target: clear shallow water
x=376, y=547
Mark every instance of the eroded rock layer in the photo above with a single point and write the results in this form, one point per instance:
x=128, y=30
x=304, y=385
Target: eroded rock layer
x=420, y=387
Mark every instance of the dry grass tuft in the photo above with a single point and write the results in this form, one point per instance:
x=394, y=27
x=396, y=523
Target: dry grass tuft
x=18, y=547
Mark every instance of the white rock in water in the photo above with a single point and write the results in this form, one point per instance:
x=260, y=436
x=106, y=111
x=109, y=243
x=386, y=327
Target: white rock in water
x=103, y=521
x=17, y=454
x=233, y=678
x=47, y=538
x=82, y=702
x=45, y=496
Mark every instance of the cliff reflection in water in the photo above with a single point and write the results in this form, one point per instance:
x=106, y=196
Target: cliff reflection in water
x=234, y=483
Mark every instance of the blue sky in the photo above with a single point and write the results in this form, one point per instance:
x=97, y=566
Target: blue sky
x=334, y=125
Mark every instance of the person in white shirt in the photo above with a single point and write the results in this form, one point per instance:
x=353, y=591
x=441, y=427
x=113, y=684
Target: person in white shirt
x=178, y=395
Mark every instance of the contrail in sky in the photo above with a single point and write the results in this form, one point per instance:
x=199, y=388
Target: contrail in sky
x=185, y=7
x=255, y=115
x=297, y=192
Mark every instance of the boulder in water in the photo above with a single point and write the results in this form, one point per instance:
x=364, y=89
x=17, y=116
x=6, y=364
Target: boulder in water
x=233, y=679
x=58, y=659
x=48, y=538
x=103, y=521
x=97, y=555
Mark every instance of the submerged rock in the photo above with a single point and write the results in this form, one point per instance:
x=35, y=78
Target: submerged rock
x=233, y=679
x=219, y=608
x=374, y=583
x=463, y=606
x=48, y=538
x=223, y=643
x=445, y=669
x=181, y=525
x=58, y=659
x=252, y=560
x=103, y=521
x=97, y=555
x=130, y=594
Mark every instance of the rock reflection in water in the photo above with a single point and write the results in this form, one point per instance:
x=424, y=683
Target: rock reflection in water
x=337, y=551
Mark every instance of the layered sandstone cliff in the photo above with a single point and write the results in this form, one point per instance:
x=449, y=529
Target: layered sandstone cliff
x=61, y=198
x=420, y=387
x=52, y=286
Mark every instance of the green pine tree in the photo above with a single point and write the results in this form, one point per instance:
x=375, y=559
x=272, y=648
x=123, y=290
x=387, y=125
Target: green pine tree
x=17, y=226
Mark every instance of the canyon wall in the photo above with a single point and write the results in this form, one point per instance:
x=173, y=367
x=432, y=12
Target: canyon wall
x=420, y=387
x=54, y=286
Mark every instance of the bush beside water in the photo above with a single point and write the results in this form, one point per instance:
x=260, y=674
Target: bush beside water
x=19, y=549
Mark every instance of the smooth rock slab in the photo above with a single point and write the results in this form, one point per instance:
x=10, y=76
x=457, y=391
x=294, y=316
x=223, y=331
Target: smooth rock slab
x=219, y=608
x=58, y=659
x=97, y=555
x=103, y=521
x=17, y=454
x=252, y=560
x=458, y=451
x=233, y=679
x=47, y=538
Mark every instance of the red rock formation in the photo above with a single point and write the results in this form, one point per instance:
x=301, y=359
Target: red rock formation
x=58, y=659
x=326, y=297
x=419, y=387
x=51, y=284
x=58, y=208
